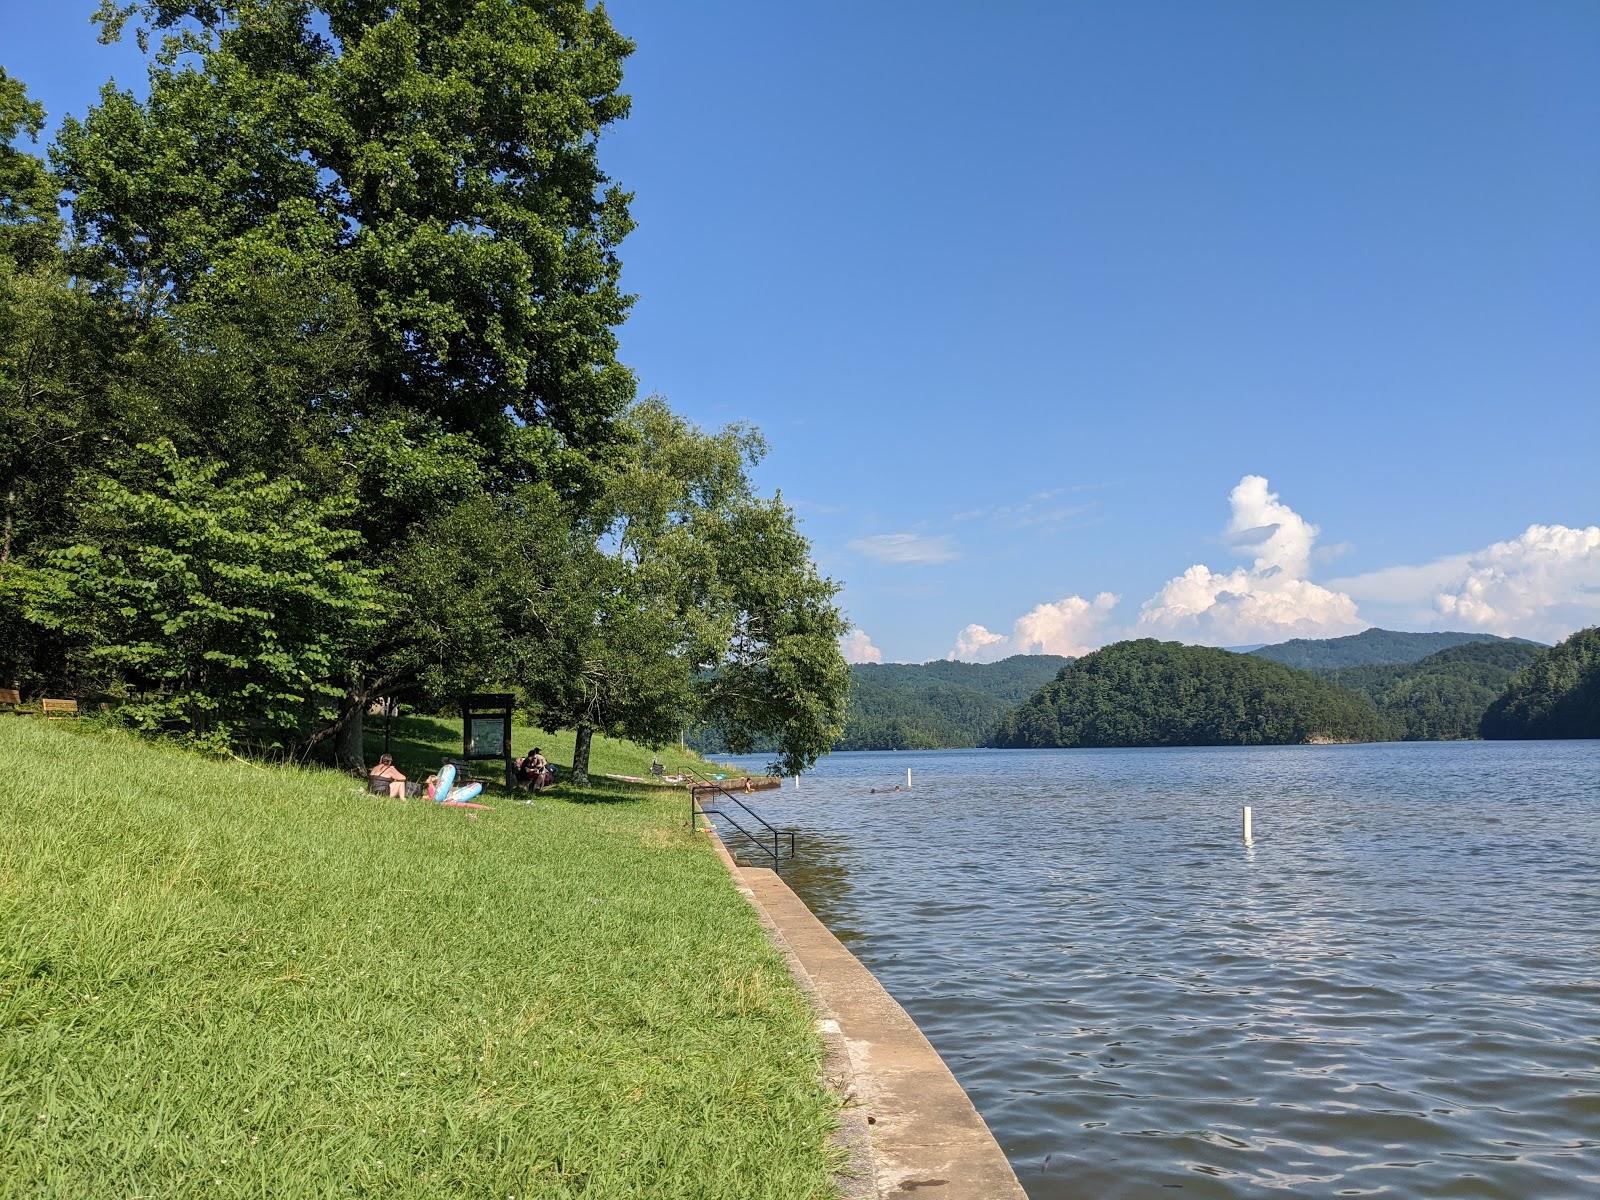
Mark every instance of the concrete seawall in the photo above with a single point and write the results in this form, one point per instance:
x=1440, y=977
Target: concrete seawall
x=908, y=1127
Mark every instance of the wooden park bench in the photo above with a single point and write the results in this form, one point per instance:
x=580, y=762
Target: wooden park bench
x=10, y=700
x=52, y=709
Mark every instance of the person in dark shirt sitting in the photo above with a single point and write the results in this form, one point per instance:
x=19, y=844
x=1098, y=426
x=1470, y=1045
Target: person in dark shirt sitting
x=387, y=772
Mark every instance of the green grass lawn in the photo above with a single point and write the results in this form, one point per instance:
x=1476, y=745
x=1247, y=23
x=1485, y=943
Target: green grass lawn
x=420, y=743
x=219, y=980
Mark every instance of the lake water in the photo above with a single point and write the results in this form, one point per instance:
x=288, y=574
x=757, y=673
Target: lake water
x=1394, y=992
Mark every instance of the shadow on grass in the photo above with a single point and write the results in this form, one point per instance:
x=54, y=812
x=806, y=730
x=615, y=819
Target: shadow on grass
x=613, y=791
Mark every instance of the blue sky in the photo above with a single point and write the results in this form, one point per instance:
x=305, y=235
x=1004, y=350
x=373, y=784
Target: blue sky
x=1030, y=298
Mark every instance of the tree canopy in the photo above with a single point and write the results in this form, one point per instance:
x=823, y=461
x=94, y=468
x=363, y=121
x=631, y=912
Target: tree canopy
x=1370, y=647
x=1443, y=696
x=1557, y=695
x=30, y=225
x=923, y=706
x=209, y=606
x=432, y=168
x=315, y=397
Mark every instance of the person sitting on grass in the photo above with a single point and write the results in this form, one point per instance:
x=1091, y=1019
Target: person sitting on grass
x=389, y=773
x=535, y=770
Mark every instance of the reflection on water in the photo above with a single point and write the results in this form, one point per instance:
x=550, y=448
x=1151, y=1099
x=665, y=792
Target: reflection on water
x=826, y=883
x=1395, y=992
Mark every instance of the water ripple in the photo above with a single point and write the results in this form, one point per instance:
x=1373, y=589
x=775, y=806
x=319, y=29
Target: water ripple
x=1395, y=992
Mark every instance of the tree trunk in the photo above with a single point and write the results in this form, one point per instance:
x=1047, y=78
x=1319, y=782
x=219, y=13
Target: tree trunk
x=580, y=754
x=348, y=752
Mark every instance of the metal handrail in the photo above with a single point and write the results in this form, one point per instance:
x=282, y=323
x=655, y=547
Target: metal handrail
x=707, y=785
x=770, y=851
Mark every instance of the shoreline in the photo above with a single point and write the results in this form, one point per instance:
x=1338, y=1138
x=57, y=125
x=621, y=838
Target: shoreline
x=907, y=1127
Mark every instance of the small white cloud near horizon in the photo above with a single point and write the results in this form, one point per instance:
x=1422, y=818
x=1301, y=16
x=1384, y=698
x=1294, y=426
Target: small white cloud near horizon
x=857, y=647
x=972, y=644
x=1068, y=626
x=1271, y=600
x=905, y=549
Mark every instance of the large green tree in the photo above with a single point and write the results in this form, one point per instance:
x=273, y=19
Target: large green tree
x=59, y=368
x=373, y=241
x=30, y=225
x=209, y=606
x=365, y=250
x=439, y=161
x=707, y=607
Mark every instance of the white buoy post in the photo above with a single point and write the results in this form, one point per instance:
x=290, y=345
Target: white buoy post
x=797, y=783
x=1248, y=840
x=908, y=779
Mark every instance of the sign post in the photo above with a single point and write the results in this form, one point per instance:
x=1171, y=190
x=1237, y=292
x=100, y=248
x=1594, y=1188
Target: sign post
x=486, y=730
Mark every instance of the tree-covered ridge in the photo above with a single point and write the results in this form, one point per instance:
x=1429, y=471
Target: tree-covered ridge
x=1444, y=696
x=1150, y=693
x=1557, y=695
x=1371, y=647
x=937, y=705
x=1014, y=678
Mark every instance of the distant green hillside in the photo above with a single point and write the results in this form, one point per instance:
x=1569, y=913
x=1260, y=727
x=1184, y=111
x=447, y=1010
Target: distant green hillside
x=1444, y=696
x=933, y=705
x=1150, y=693
x=1557, y=695
x=1371, y=647
x=927, y=706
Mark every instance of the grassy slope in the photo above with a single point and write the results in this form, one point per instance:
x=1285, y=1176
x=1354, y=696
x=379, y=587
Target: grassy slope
x=223, y=980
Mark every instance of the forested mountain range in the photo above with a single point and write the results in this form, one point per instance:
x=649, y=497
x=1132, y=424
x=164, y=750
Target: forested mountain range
x=1443, y=696
x=1405, y=687
x=924, y=706
x=1150, y=693
x=1369, y=648
x=928, y=706
x=1557, y=695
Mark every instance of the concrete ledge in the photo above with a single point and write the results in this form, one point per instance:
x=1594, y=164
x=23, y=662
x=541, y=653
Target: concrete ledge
x=922, y=1135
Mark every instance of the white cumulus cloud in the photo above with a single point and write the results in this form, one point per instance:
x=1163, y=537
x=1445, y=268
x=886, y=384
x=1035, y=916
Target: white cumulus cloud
x=905, y=549
x=1545, y=583
x=972, y=645
x=1068, y=626
x=858, y=648
x=1065, y=627
x=1542, y=584
x=1279, y=536
x=1270, y=600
